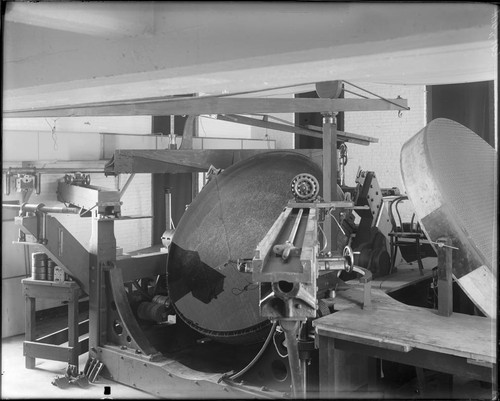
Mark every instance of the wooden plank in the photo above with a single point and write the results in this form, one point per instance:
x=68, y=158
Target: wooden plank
x=347, y=136
x=73, y=331
x=342, y=136
x=418, y=327
x=61, y=336
x=35, y=291
x=371, y=340
x=30, y=331
x=47, y=351
x=445, y=279
x=481, y=285
x=326, y=356
x=84, y=346
x=214, y=105
x=237, y=119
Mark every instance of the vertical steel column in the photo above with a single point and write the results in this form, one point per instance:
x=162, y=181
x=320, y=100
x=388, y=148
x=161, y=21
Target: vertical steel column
x=102, y=256
x=330, y=175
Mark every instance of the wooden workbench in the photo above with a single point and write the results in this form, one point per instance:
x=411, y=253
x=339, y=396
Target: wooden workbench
x=459, y=344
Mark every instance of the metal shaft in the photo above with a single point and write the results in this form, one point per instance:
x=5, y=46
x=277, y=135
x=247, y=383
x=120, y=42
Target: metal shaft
x=291, y=329
x=295, y=227
x=44, y=209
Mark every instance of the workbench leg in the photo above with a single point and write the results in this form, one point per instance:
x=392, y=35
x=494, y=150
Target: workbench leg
x=419, y=258
x=73, y=329
x=326, y=377
x=342, y=372
x=30, y=331
x=420, y=381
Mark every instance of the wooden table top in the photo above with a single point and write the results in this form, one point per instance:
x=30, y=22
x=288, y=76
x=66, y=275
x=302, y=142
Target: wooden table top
x=392, y=325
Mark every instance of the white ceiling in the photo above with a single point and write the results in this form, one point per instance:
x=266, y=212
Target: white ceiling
x=58, y=53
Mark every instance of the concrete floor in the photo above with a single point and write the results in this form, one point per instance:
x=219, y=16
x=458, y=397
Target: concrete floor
x=21, y=383
x=17, y=382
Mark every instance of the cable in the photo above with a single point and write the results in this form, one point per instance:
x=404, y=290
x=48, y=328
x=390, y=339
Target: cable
x=357, y=94
x=277, y=349
x=324, y=238
x=259, y=354
x=380, y=97
x=166, y=99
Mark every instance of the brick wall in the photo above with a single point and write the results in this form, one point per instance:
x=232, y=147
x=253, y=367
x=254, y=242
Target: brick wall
x=392, y=132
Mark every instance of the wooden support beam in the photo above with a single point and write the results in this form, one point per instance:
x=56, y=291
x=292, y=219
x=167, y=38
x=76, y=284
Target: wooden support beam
x=184, y=161
x=348, y=136
x=445, y=278
x=214, y=105
x=311, y=132
x=232, y=118
x=48, y=351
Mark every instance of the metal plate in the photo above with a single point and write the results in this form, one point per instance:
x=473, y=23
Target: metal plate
x=225, y=222
x=450, y=176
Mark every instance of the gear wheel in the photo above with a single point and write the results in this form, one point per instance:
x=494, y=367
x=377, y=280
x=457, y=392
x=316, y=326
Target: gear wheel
x=305, y=187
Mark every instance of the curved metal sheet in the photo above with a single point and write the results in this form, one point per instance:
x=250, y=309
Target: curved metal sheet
x=450, y=176
x=225, y=222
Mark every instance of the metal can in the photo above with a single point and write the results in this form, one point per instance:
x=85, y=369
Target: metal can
x=39, y=266
x=50, y=269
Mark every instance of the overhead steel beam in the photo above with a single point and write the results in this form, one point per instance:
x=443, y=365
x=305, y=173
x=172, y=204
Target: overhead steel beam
x=216, y=105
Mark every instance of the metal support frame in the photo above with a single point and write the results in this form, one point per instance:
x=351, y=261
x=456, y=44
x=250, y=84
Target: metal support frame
x=330, y=177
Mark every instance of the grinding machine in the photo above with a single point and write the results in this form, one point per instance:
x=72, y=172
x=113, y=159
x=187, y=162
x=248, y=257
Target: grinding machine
x=257, y=257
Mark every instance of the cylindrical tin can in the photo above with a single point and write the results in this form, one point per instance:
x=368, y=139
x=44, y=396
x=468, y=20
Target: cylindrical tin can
x=50, y=269
x=39, y=266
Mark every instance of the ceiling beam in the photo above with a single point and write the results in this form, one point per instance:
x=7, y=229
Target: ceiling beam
x=101, y=19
